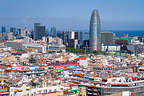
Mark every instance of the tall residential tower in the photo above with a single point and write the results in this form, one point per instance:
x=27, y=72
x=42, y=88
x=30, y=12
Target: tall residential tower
x=95, y=29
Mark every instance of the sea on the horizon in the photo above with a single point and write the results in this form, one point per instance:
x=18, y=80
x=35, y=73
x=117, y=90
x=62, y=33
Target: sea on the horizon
x=130, y=33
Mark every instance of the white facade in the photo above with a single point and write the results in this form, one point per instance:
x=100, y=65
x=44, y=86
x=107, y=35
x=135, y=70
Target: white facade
x=44, y=39
x=40, y=48
x=75, y=43
x=28, y=40
x=24, y=32
x=35, y=91
x=72, y=35
x=55, y=43
x=10, y=36
x=50, y=39
x=113, y=48
x=84, y=63
x=58, y=41
x=126, y=93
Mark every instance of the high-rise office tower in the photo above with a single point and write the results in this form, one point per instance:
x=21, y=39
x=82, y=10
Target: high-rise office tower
x=39, y=31
x=35, y=33
x=3, y=30
x=53, y=32
x=37, y=24
x=95, y=29
x=84, y=37
x=73, y=39
x=76, y=35
x=13, y=30
x=19, y=31
x=66, y=37
x=107, y=38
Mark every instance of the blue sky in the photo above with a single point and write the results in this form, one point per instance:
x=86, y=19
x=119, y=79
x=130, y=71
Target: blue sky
x=74, y=14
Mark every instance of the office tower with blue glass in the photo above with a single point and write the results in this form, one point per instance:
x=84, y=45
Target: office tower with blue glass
x=39, y=31
x=95, y=29
x=53, y=32
x=3, y=30
x=13, y=30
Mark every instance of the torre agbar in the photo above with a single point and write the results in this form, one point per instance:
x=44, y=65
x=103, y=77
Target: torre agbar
x=95, y=29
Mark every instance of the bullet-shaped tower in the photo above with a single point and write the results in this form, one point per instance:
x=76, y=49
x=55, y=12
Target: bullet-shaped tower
x=95, y=29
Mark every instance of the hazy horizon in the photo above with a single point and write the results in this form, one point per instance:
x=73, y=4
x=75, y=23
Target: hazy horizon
x=74, y=14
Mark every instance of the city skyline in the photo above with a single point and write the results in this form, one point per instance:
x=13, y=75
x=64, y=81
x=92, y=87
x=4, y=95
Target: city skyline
x=71, y=48
x=115, y=15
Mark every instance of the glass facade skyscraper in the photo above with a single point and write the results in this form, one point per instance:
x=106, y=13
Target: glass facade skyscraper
x=53, y=32
x=95, y=29
x=39, y=31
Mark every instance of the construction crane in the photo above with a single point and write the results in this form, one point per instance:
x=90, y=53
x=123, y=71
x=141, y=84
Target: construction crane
x=85, y=49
